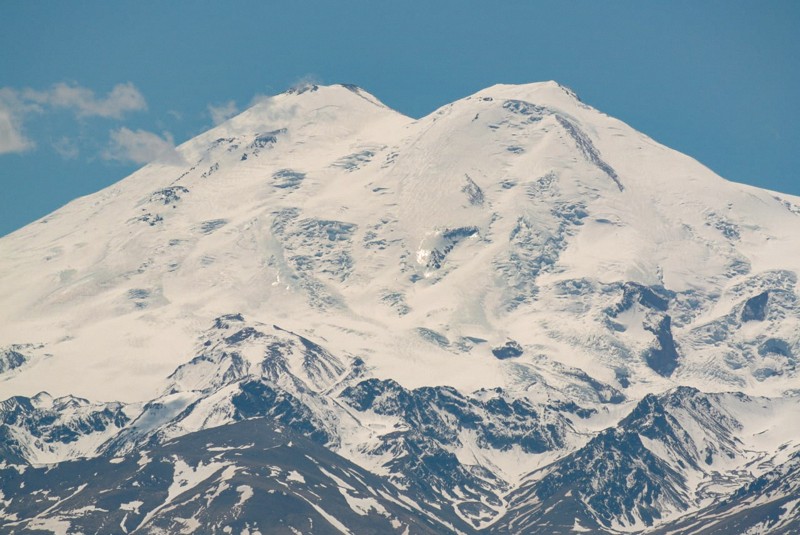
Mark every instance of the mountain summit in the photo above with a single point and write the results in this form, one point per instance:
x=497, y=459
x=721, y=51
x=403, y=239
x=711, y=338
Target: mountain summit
x=517, y=309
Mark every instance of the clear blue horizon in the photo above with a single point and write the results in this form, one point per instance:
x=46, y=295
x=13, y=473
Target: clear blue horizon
x=89, y=92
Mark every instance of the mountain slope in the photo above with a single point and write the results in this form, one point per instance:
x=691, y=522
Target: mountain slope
x=672, y=453
x=517, y=310
x=246, y=476
x=495, y=218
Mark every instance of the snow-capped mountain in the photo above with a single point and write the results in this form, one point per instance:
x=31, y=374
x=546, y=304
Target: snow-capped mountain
x=516, y=314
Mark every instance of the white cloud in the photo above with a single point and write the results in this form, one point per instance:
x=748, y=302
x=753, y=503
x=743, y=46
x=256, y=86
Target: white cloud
x=270, y=112
x=306, y=82
x=11, y=137
x=223, y=112
x=142, y=147
x=16, y=105
x=123, y=98
x=66, y=147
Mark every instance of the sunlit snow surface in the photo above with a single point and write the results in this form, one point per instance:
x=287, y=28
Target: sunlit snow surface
x=354, y=267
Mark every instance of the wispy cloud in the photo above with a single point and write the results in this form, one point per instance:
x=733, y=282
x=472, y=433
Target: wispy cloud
x=306, y=81
x=67, y=148
x=12, y=110
x=268, y=109
x=11, y=137
x=142, y=147
x=122, y=98
x=223, y=112
x=16, y=105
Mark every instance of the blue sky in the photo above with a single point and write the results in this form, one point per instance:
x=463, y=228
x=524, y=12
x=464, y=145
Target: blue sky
x=90, y=90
